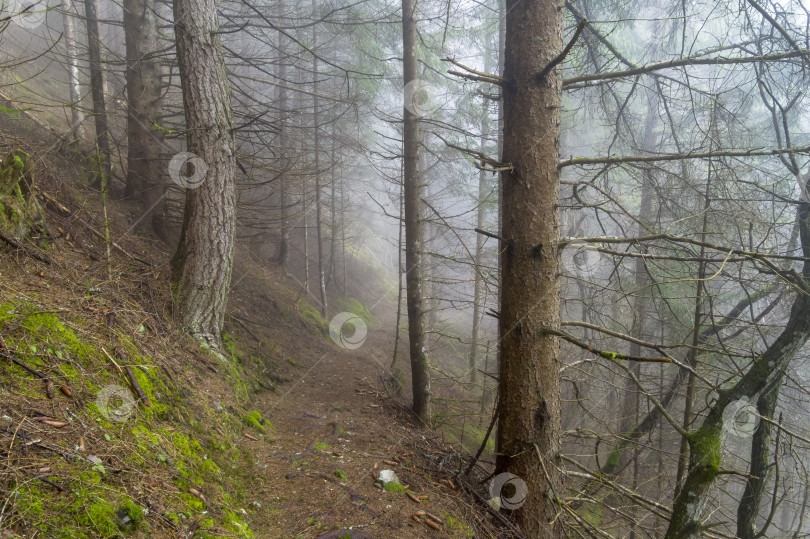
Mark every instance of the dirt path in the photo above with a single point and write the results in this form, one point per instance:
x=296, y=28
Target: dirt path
x=331, y=433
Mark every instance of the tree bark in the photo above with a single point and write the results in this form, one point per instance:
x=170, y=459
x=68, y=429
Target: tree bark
x=748, y=510
x=766, y=373
x=203, y=262
x=528, y=438
x=72, y=50
x=283, y=257
x=97, y=89
x=414, y=228
x=317, y=141
x=400, y=226
x=144, y=140
x=478, y=286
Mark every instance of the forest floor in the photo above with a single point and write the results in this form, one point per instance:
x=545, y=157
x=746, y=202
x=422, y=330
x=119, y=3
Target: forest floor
x=281, y=439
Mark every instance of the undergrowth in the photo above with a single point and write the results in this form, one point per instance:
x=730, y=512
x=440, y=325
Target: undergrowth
x=106, y=465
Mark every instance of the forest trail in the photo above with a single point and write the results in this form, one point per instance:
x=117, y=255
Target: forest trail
x=334, y=427
x=193, y=458
x=332, y=433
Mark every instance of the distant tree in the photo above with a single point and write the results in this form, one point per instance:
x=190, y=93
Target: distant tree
x=102, y=139
x=316, y=127
x=144, y=107
x=72, y=54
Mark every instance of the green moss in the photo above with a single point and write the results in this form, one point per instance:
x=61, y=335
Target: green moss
x=313, y=317
x=98, y=516
x=233, y=522
x=394, y=487
x=30, y=502
x=592, y=513
x=131, y=516
x=229, y=345
x=155, y=389
x=46, y=331
x=352, y=305
x=340, y=474
x=613, y=460
x=320, y=446
x=706, y=449
x=459, y=525
x=210, y=470
x=256, y=421
x=69, y=371
x=163, y=440
x=191, y=502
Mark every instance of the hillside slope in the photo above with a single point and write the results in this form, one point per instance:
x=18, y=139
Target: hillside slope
x=112, y=423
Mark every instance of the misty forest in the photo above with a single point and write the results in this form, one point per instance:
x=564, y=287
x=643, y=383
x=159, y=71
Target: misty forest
x=371, y=268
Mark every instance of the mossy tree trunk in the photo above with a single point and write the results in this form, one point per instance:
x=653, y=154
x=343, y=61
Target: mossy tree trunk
x=201, y=268
x=762, y=380
x=20, y=214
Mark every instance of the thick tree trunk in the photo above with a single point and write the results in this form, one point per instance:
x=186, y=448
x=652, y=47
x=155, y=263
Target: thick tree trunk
x=72, y=53
x=529, y=412
x=97, y=89
x=203, y=262
x=144, y=140
x=414, y=229
x=748, y=510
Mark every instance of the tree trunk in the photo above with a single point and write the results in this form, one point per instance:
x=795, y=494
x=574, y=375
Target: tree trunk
x=72, y=53
x=97, y=89
x=766, y=373
x=317, y=141
x=414, y=232
x=528, y=439
x=144, y=139
x=697, y=318
x=203, y=262
x=400, y=224
x=748, y=510
x=283, y=258
x=641, y=301
x=478, y=287
x=333, y=226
